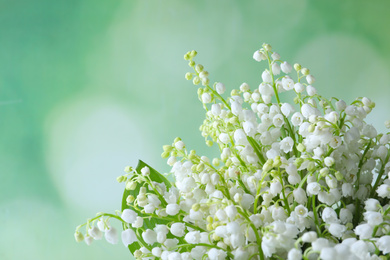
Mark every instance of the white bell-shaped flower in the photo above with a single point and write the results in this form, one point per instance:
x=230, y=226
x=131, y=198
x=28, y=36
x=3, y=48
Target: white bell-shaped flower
x=95, y=233
x=129, y=215
x=128, y=237
x=220, y=88
x=336, y=229
x=275, y=68
x=383, y=244
x=329, y=215
x=172, y=209
x=294, y=254
x=286, y=67
x=309, y=237
x=364, y=231
x=178, y=229
x=266, y=76
x=149, y=236
x=111, y=235
x=216, y=254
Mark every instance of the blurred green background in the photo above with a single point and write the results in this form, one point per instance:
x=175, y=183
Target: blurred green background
x=90, y=86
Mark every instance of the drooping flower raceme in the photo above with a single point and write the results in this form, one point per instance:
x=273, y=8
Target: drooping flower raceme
x=305, y=179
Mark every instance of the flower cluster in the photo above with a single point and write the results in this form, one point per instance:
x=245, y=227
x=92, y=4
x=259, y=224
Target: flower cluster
x=307, y=179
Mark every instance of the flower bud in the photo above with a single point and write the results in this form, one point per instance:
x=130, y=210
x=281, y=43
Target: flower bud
x=188, y=76
x=196, y=80
x=311, y=128
x=137, y=253
x=234, y=92
x=167, y=148
x=267, y=47
x=179, y=145
x=128, y=169
x=268, y=165
x=193, y=53
x=165, y=155
x=205, y=81
x=277, y=162
x=216, y=161
x=311, y=167
x=387, y=124
x=195, y=207
x=324, y=171
x=339, y=176
x=121, y=179
x=298, y=162
x=145, y=171
x=130, y=199
x=305, y=71
x=203, y=74
x=329, y=161
x=199, y=68
x=297, y=67
x=78, y=236
x=301, y=147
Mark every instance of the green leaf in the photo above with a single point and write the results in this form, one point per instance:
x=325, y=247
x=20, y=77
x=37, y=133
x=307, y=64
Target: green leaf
x=151, y=222
x=256, y=148
x=154, y=175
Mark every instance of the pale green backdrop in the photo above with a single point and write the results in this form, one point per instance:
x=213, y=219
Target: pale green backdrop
x=90, y=86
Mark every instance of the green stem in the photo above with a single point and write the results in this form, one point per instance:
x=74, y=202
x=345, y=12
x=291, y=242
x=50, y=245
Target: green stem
x=284, y=197
x=256, y=148
x=379, y=178
x=257, y=198
x=361, y=164
x=219, y=96
x=99, y=216
x=255, y=231
x=315, y=215
x=205, y=245
x=178, y=220
x=357, y=216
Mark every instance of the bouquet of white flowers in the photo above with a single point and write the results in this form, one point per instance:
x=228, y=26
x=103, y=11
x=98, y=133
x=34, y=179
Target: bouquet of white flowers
x=302, y=180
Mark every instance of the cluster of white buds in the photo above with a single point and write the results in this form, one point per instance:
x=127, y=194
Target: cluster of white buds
x=307, y=179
